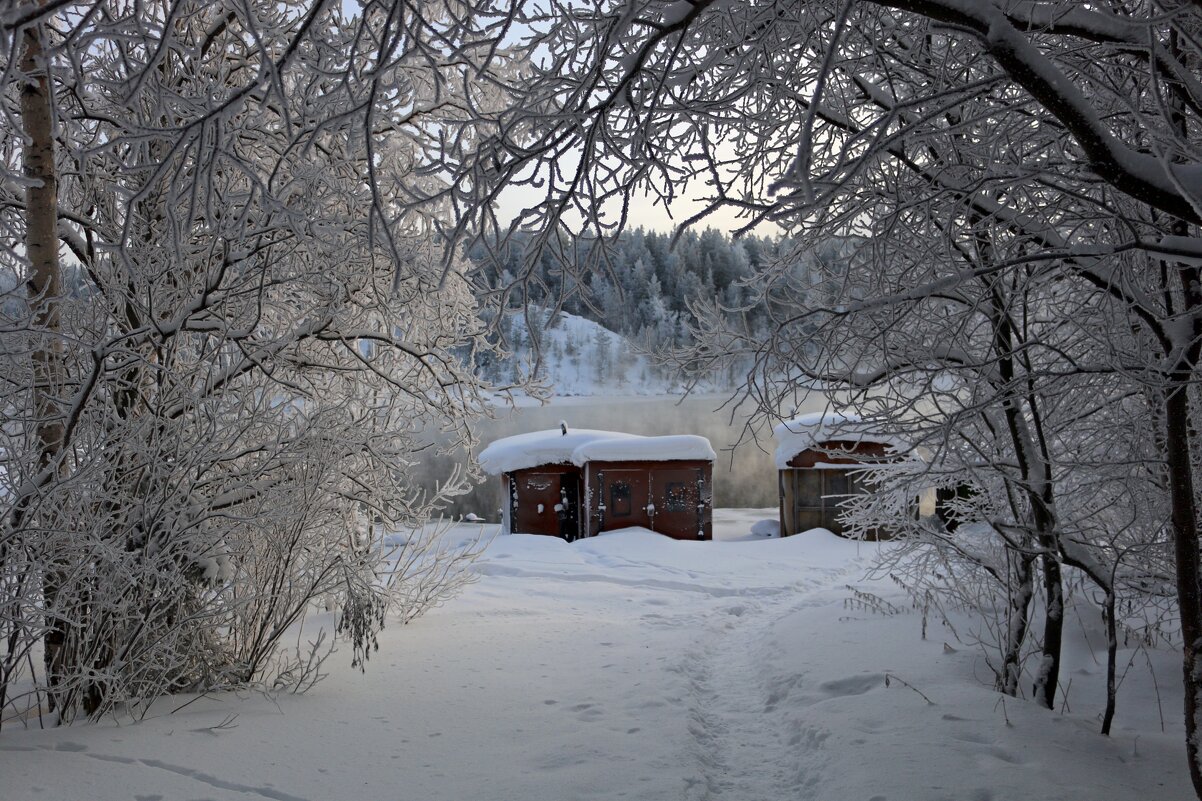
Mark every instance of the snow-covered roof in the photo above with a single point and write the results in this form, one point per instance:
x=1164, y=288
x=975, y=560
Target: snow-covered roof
x=807, y=430
x=581, y=445
x=633, y=449
x=538, y=447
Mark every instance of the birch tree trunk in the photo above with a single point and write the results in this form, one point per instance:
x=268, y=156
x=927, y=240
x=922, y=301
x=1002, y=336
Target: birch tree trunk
x=44, y=287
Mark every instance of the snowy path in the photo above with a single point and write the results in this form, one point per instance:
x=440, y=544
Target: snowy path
x=632, y=667
x=743, y=748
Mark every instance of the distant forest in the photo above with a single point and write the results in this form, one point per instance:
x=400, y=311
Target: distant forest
x=643, y=288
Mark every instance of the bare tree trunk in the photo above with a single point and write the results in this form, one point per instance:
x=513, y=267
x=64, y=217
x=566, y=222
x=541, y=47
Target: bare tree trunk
x=44, y=287
x=1185, y=545
x=1035, y=471
x=1112, y=647
x=1047, y=675
x=1178, y=439
x=1018, y=621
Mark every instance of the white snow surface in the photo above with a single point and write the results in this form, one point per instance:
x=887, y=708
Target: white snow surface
x=582, y=445
x=635, y=666
x=665, y=448
x=539, y=447
x=804, y=431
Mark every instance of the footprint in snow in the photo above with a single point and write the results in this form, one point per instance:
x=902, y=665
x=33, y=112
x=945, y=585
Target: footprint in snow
x=852, y=685
x=1003, y=755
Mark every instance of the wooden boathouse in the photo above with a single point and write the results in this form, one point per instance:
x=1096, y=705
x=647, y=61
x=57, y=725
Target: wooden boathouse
x=581, y=482
x=817, y=456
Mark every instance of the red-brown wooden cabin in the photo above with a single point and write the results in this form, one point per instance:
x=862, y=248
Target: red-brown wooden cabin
x=817, y=456
x=580, y=483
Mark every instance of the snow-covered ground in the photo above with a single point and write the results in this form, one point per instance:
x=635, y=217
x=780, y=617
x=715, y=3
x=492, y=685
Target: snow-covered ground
x=634, y=666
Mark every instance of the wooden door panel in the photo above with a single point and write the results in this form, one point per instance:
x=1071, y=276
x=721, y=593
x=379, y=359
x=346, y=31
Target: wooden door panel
x=625, y=495
x=537, y=496
x=679, y=504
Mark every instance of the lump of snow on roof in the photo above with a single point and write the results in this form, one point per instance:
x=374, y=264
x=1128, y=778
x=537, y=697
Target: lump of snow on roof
x=538, y=447
x=807, y=430
x=581, y=445
x=638, y=449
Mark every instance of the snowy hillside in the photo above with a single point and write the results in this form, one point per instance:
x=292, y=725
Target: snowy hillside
x=578, y=357
x=633, y=666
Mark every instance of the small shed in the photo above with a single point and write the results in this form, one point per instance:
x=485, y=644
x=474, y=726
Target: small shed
x=579, y=483
x=816, y=456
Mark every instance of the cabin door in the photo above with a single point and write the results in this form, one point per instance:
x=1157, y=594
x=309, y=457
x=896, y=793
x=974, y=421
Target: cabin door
x=678, y=498
x=625, y=499
x=568, y=510
x=538, y=504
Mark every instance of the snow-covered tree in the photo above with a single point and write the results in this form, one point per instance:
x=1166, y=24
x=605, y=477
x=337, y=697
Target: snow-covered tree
x=1052, y=149
x=229, y=321
x=603, y=355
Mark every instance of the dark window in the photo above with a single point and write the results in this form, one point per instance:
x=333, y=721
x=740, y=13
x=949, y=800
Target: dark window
x=836, y=488
x=619, y=499
x=809, y=488
x=676, y=496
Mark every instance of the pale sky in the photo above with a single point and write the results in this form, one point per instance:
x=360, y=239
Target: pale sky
x=643, y=212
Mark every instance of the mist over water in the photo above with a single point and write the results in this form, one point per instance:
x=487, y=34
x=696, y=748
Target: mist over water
x=744, y=476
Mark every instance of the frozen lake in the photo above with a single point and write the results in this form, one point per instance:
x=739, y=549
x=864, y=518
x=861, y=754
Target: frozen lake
x=744, y=476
